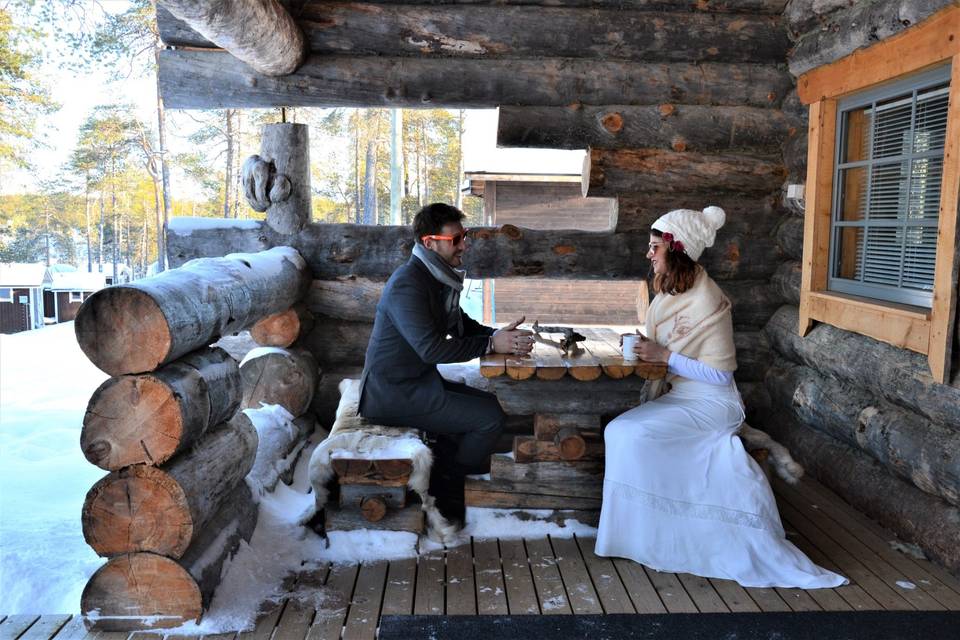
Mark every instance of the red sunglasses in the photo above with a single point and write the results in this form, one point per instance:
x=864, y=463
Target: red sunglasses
x=454, y=239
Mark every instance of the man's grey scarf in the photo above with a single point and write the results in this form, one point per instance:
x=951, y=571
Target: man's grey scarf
x=451, y=278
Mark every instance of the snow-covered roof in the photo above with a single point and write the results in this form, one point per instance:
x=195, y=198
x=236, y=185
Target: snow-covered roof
x=61, y=268
x=106, y=269
x=21, y=274
x=74, y=281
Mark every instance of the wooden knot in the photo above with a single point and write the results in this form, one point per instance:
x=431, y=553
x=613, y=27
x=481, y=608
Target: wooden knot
x=679, y=144
x=667, y=110
x=612, y=122
x=564, y=249
x=510, y=231
x=771, y=96
x=733, y=252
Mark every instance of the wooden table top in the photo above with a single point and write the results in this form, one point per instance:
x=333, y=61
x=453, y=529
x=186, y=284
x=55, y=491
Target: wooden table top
x=598, y=356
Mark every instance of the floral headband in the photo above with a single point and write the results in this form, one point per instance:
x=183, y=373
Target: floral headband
x=673, y=245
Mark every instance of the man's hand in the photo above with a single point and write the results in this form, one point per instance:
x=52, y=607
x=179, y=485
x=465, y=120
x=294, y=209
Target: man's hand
x=509, y=339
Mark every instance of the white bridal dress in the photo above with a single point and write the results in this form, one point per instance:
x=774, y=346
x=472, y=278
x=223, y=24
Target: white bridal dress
x=681, y=494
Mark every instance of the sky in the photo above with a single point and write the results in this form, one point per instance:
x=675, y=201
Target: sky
x=79, y=93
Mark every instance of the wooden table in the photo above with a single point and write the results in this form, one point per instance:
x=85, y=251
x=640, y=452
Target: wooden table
x=598, y=356
x=560, y=465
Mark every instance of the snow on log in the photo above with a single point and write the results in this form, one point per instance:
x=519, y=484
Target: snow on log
x=144, y=508
x=144, y=590
x=272, y=375
x=148, y=418
x=136, y=327
x=282, y=329
x=280, y=438
x=258, y=32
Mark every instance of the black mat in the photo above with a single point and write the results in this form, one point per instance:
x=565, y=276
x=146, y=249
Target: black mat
x=864, y=625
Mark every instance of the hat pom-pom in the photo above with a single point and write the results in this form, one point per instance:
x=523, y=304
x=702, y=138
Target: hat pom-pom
x=715, y=217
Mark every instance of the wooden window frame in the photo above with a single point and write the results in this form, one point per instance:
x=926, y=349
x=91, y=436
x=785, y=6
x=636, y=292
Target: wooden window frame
x=932, y=43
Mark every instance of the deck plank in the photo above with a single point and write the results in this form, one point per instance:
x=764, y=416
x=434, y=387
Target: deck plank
x=606, y=580
x=919, y=598
x=338, y=589
x=767, y=599
x=491, y=594
x=521, y=594
x=671, y=592
x=849, y=566
x=734, y=596
x=266, y=623
x=107, y=635
x=13, y=626
x=642, y=593
x=843, y=598
x=399, y=594
x=921, y=572
x=364, y=615
x=45, y=628
x=702, y=593
x=546, y=577
x=580, y=592
x=428, y=599
x=73, y=630
x=461, y=592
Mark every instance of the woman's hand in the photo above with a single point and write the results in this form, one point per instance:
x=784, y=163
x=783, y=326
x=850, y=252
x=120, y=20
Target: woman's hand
x=650, y=351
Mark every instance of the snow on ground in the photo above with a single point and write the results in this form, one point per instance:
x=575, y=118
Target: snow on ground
x=45, y=383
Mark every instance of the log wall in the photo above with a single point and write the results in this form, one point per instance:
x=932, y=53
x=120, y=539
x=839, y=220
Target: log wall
x=864, y=417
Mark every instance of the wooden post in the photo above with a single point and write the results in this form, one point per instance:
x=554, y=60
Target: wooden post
x=278, y=180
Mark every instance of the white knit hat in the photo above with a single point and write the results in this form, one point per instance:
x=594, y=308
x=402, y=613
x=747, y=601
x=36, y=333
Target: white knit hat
x=695, y=230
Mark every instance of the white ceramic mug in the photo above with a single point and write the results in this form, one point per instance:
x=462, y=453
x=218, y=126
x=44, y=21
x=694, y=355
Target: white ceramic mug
x=628, y=341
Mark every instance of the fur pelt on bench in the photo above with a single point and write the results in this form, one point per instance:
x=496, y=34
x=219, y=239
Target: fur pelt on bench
x=355, y=437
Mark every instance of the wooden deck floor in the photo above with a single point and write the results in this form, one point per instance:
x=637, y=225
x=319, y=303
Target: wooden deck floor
x=555, y=576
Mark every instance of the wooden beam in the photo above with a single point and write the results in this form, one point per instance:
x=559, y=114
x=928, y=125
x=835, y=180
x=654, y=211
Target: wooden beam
x=609, y=172
x=259, y=32
x=478, y=30
x=343, y=250
x=199, y=79
x=907, y=328
x=665, y=126
x=931, y=42
x=759, y=215
x=944, y=309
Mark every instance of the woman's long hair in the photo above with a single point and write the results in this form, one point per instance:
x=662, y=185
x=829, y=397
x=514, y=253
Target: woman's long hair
x=681, y=271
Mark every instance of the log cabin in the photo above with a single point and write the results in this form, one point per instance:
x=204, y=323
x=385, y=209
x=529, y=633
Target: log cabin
x=841, y=262
x=828, y=131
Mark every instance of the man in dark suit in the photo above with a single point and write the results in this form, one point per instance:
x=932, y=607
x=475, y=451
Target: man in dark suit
x=418, y=325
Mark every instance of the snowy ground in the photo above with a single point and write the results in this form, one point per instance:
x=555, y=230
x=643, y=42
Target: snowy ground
x=45, y=382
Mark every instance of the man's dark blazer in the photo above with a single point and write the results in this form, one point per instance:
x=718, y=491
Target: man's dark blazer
x=409, y=339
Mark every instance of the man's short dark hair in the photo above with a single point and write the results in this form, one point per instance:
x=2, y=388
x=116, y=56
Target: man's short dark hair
x=429, y=220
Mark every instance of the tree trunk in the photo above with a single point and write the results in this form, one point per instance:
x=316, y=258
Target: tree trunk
x=162, y=510
x=195, y=79
x=102, y=229
x=164, y=170
x=159, y=319
x=899, y=376
x=358, y=218
x=527, y=32
x=909, y=446
x=458, y=195
x=261, y=33
x=228, y=173
x=287, y=147
x=703, y=129
x=369, y=184
x=163, y=592
x=276, y=376
x=284, y=328
x=611, y=172
x=86, y=216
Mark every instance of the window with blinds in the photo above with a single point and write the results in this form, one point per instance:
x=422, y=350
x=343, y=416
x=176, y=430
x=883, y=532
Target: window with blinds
x=887, y=181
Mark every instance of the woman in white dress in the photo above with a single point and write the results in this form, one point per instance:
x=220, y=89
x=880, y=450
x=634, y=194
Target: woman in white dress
x=680, y=493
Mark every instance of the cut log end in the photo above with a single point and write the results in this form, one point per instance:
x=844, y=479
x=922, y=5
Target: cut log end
x=131, y=420
x=373, y=509
x=570, y=443
x=138, y=509
x=140, y=591
x=277, y=330
x=123, y=330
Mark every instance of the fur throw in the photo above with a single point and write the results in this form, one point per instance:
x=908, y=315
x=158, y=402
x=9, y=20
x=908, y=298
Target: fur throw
x=355, y=437
x=783, y=463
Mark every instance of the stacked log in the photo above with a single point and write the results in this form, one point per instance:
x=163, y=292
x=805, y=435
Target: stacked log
x=272, y=375
x=182, y=457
